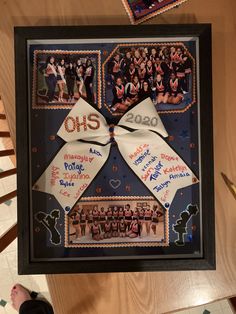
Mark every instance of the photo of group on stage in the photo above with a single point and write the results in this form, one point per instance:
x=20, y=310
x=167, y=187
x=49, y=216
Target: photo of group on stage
x=116, y=221
x=62, y=78
x=162, y=72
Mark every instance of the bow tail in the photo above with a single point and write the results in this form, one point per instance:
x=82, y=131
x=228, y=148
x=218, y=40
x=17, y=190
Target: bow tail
x=156, y=164
x=71, y=171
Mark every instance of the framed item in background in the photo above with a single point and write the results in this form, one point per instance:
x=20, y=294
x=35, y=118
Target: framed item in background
x=142, y=10
x=114, y=148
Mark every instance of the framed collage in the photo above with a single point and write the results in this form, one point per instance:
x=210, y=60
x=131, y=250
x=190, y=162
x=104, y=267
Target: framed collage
x=114, y=148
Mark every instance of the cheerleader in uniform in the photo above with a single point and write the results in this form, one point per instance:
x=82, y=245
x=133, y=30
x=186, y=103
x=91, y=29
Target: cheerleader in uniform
x=119, y=102
x=134, y=231
x=128, y=215
x=70, y=81
x=147, y=218
x=127, y=61
x=121, y=213
x=115, y=67
x=137, y=59
x=96, y=231
x=107, y=230
x=142, y=72
x=188, y=70
x=161, y=90
x=115, y=213
x=145, y=91
x=88, y=81
x=175, y=91
x=180, y=74
x=114, y=228
x=158, y=66
x=122, y=228
x=80, y=78
x=61, y=82
x=95, y=213
x=51, y=78
x=90, y=219
x=102, y=218
x=135, y=214
x=141, y=218
x=153, y=54
x=154, y=222
x=176, y=58
x=130, y=73
x=75, y=223
x=109, y=214
x=132, y=90
x=82, y=222
x=144, y=57
x=150, y=70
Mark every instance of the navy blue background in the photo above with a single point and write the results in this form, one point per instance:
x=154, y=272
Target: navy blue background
x=183, y=131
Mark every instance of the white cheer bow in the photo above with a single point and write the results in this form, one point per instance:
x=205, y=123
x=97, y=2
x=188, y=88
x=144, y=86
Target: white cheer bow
x=154, y=162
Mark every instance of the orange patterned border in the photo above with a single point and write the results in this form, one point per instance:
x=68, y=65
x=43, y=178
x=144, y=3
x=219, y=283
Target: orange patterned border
x=64, y=52
x=116, y=245
x=135, y=20
x=152, y=45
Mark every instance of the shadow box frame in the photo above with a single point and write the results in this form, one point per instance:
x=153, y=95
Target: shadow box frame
x=24, y=201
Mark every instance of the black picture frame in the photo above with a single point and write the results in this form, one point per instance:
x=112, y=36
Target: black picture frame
x=22, y=35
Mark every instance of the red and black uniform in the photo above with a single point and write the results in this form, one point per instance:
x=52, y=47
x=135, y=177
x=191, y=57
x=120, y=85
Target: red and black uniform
x=70, y=80
x=175, y=87
x=115, y=214
x=144, y=92
x=142, y=74
x=150, y=71
x=95, y=215
x=88, y=81
x=95, y=230
x=115, y=68
x=161, y=87
x=118, y=94
x=122, y=227
x=131, y=90
x=130, y=73
x=135, y=228
x=51, y=80
x=159, y=69
x=128, y=217
x=107, y=227
x=121, y=214
x=102, y=219
x=137, y=61
x=109, y=215
x=148, y=215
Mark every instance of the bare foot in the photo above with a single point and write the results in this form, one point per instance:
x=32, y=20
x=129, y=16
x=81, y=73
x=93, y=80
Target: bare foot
x=19, y=295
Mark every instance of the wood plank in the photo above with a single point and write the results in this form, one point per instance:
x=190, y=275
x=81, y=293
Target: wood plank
x=8, y=196
x=7, y=152
x=7, y=173
x=4, y=134
x=8, y=237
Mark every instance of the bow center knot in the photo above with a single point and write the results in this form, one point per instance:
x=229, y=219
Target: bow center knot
x=112, y=133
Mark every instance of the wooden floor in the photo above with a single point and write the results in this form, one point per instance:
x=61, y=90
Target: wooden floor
x=145, y=293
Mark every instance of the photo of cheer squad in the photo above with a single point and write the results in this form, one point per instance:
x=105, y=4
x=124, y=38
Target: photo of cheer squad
x=89, y=223
x=63, y=79
x=162, y=72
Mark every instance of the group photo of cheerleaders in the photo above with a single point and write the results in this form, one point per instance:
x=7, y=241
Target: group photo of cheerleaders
x=162, y=72
x=64, y=78
x=95, y=223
